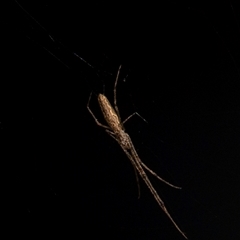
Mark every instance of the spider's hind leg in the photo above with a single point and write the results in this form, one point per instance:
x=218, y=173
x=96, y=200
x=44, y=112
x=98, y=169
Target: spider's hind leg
x=115, y=93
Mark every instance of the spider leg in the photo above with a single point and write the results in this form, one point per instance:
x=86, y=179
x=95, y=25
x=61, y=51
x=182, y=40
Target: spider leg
x=115, y=93
x=137, y=179
x=136, y=162
x=115, y=100
x=136, y=113
x=154, y=174
x=135, y=159
x=97, y=122
x=135, y=171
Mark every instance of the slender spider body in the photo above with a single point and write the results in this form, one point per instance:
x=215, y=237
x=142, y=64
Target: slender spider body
x=116, y=130
x=109, y=114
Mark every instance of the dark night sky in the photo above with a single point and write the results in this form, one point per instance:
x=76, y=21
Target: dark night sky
x=180, y=71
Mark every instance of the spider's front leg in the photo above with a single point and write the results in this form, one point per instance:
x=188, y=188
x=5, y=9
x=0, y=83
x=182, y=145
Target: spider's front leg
x=130, y=158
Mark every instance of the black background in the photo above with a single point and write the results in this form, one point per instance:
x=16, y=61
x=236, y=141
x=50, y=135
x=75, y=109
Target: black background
x=62, y=174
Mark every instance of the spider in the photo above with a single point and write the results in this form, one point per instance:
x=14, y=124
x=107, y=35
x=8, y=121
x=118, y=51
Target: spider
x=116, y=130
